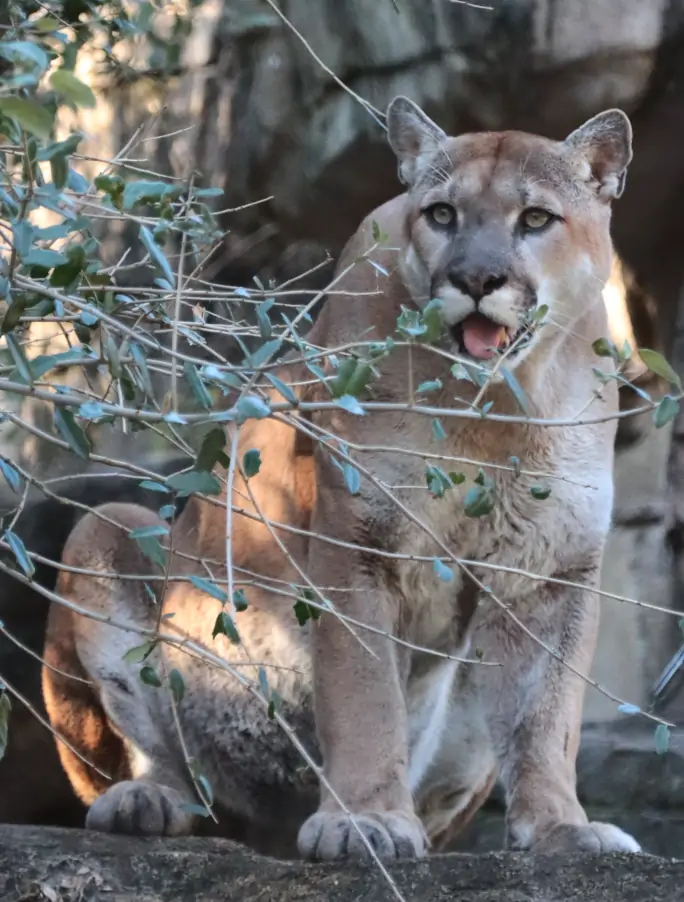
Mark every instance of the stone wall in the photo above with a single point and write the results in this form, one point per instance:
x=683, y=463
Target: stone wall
x=635, y=643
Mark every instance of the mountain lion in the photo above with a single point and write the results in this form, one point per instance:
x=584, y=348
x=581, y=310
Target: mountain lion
x=502, y=241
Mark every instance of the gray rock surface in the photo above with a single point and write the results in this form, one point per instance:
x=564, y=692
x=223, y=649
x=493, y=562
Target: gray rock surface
x=50, y=865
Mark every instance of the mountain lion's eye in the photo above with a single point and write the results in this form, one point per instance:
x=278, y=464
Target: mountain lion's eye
x=442, y=214
x=535, y=218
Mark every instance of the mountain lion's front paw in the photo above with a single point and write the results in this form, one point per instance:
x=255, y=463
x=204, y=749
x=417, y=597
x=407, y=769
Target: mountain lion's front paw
x=594, y=837
x=391, y=834
x=140, y=808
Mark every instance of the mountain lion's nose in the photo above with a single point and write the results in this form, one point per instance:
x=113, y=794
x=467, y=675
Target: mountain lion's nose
x=476, y=284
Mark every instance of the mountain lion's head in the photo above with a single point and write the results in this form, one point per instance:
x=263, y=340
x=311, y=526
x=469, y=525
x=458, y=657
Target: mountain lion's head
x=502, y=224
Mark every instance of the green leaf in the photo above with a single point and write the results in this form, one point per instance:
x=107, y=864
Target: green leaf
x=12, y=478
x=138, y=356
x=195, y=481
x=224, y=626
x=20, y=361
x=662, y=739
x=250, y=407
x=71, y=432
x=177, y=686
x=214, y=374
x=152, y=549
x=629, y=709
x=148, y=676
x=446, y=574
x=58, y=149
x=352, y=478
x=431, y=385
x=263, y=354
x=263, y=683
x=318, y=373
x=151, y=486
x=438, y=482
x=156, y=255
x=64, y=82
x=209, y=192
x=113, y=187
x=409, y=323
x=240, y=600
x=39, y=256
x=19, y=551
x=540, y=492
x=5, y=710
x=345, y=370
x=604, y=347
x=167, y=511
x=14, y=313
x=211, y=451
x=53, y=232
x=251, y=462
x=359, y=379
x=25, y=52
x=197, y=387
x=516, y=389
x=29, y=115
x=479, y=501
x=432, y=317
x=139, y=653
x=47, y=23
x=667, y=410
x=438, y=432
x=275, y=705
x=206, y=789
x=46, y=362
x=59, y=170
x=64, y=276
x=305, y=611
x=263, y=319
x=144, y=532
x=351, y=405
x=625, y=351
x=658, y=365
x=206, y=585
x=145, y=192
x=457, y=478
x=22, y=236
x=281, y=387
x=113, y=357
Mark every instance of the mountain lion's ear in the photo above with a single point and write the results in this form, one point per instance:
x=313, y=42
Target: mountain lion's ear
x=411, y=133
x=606, y=143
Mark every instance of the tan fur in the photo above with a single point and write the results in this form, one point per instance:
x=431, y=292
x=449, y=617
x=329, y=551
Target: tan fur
x=410, y=742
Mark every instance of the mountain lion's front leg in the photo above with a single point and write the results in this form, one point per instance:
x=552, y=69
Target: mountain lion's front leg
x=361, y=718
x=538, y=771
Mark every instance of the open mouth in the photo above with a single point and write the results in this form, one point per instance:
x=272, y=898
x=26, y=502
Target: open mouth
x=482, y=338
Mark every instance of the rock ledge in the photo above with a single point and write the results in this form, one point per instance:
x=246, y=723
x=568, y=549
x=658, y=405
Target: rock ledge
x=53, y=865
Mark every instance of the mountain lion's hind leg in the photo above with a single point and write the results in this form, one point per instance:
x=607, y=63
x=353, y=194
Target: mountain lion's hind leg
x=114, y=721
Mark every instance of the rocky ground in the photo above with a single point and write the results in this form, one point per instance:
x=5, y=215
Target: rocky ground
x=620, y=778
x=53, y=865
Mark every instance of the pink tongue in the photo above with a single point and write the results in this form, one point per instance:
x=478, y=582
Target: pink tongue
x=481, y=336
